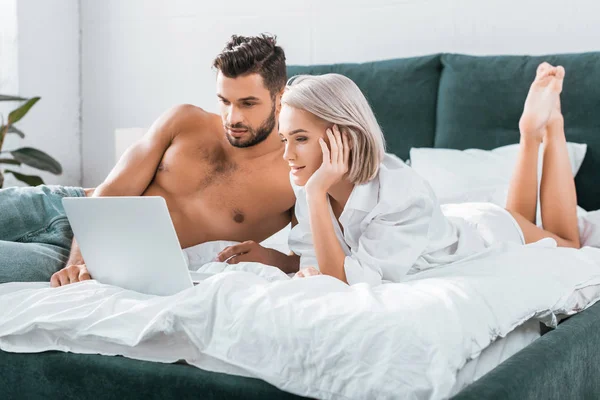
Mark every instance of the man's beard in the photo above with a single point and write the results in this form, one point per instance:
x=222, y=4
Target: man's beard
x=256, y=135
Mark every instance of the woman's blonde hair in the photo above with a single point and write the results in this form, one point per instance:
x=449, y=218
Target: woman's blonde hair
x=336, y=99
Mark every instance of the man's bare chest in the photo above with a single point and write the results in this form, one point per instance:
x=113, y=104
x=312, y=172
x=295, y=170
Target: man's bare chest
x=208, y=179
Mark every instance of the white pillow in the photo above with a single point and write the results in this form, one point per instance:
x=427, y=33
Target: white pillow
x=474, y=175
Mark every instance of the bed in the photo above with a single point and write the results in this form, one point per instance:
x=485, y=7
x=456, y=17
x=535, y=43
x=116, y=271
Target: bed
x=77, y=376
x=439, y=101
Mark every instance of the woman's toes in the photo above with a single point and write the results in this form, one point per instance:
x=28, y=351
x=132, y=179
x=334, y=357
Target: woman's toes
x=543, y=67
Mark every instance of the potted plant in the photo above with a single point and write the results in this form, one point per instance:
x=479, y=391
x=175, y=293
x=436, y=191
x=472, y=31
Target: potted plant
x=24, y=155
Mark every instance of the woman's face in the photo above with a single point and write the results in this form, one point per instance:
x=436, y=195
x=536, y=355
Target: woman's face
x=301, y=130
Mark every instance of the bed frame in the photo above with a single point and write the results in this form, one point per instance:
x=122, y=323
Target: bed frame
x=442, y=100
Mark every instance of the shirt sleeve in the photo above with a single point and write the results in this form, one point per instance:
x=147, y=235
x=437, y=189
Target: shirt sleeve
x=300, y=239
x=391, y=243
x=300, y=242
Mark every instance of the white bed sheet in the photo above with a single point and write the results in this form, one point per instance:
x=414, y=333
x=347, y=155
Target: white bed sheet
x=496, y=353
x=316, y=337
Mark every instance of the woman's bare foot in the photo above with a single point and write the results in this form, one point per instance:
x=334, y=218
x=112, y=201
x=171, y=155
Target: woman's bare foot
x=543, y=102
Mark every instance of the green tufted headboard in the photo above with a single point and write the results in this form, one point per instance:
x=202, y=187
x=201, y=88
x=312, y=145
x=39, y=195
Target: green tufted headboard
x=459, y=101
x=402, y=93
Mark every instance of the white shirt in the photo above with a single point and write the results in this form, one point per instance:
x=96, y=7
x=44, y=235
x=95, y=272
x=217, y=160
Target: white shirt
x=392, y=226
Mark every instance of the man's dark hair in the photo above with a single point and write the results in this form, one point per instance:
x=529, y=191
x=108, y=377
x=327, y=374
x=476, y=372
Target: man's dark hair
x=244, y=55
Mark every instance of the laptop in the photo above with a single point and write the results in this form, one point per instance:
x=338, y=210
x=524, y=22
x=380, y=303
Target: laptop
x=129, y=242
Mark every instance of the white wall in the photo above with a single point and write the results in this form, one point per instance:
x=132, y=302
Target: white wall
x=9, y=74
x=8, y=48
x=42, y=54
x=140, y=57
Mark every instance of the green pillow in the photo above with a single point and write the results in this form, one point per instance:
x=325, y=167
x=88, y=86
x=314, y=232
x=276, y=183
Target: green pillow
x=402, y=93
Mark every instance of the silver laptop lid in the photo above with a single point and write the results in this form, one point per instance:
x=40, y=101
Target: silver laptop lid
x=129, y=242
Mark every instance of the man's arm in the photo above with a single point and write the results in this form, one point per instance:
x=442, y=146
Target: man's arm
x=132, y=175
x=137, y=167
x=254, y=252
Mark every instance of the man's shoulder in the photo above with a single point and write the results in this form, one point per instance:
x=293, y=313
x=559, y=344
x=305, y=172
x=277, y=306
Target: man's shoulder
x=190, y=119
x=189, y=113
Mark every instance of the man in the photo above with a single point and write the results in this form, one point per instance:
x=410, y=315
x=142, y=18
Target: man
x=223, y=178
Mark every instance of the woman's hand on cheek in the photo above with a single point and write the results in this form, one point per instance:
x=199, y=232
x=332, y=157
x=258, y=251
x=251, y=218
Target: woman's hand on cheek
x=335, y=163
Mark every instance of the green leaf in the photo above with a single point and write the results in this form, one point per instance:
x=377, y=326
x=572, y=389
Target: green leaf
x=37, y=159
x=4, y=97
x=9, y=161
x=20, y=112
x=12, y=129
x=31, y=180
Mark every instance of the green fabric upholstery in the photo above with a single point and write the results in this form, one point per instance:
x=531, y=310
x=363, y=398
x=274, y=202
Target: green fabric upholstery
x=562, y=364
x=481, y=100
x=54, y=375
x=402, y=93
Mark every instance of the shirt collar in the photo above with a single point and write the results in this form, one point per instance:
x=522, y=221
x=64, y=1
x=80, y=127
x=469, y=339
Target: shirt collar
x=364, y=197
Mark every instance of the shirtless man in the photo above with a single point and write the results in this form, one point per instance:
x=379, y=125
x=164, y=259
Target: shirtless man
x=223, y=177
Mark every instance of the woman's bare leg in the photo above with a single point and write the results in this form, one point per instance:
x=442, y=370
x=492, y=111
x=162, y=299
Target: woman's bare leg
x=542, y=120
x=558, y=198
x=522, y=193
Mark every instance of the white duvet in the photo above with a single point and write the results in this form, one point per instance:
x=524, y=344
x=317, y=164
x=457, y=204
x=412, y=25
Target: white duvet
x=315, y=337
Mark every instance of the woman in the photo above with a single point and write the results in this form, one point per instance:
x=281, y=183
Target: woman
x=364, y=216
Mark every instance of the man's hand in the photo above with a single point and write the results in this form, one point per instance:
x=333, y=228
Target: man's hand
x=70, y=274
x=251, y=251
x=306, y=272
